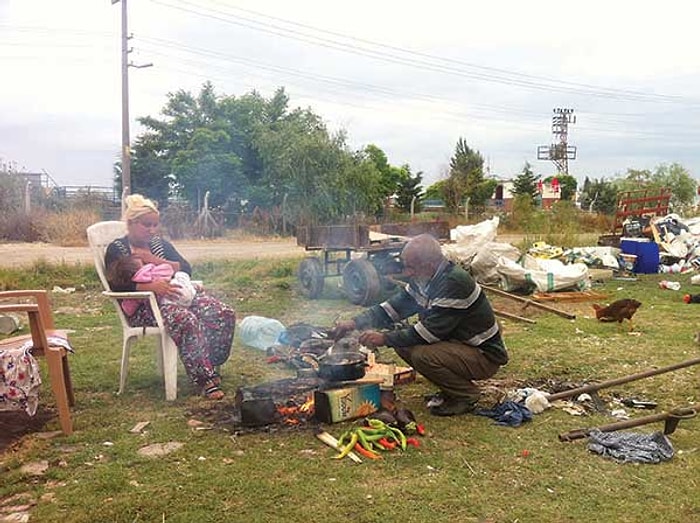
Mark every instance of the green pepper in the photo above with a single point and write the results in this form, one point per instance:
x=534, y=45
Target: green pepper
x=346, y=450
x=401, y=436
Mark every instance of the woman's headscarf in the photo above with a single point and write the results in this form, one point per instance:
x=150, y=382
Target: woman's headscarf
x=136, y=206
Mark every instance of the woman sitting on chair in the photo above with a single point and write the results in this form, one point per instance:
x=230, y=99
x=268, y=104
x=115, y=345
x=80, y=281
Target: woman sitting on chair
x=202, y=331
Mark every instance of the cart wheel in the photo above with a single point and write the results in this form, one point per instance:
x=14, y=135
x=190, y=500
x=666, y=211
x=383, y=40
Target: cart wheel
x=311, y=277
x=361, y=282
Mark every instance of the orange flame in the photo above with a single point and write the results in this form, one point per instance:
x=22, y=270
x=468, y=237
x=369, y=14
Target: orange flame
x=291, y=413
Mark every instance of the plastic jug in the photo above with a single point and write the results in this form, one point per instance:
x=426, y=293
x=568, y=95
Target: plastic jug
x=259, y=332
x=672, y=285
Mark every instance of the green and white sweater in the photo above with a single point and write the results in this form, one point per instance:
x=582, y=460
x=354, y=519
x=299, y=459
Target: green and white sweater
x=451, y=307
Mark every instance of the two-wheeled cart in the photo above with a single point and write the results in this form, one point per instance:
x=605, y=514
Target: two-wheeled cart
x=348, y=251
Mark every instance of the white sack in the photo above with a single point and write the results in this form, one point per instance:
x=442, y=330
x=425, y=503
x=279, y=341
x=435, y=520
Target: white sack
x=484, y=266
x=544, y=275
x=482, y=231
x=469, y=240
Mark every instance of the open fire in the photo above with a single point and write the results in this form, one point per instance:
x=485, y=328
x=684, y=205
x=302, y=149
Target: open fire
x=288, y=401
x=293, y=414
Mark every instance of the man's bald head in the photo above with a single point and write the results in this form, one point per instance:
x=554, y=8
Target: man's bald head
x=422, y=255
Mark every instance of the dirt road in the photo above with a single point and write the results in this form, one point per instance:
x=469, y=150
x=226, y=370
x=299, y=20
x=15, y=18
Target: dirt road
x=26, y=254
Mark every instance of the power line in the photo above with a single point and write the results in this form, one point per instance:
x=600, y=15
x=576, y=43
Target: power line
x=417, y=59
x=501, y=71
x=478, y=111
x=377, y=90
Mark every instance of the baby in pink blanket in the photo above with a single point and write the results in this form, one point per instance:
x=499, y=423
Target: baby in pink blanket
x=132, y=268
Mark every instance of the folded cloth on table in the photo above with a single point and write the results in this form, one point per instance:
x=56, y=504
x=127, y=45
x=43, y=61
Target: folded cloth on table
x=54, y=341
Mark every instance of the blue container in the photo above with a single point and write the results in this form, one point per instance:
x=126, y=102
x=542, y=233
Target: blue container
x=647, y=253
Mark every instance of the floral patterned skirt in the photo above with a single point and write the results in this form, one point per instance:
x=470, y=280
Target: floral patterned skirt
x=19, y=380
x=203, y=332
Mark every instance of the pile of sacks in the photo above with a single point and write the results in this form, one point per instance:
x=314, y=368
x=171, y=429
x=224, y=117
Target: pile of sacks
x=502, y=264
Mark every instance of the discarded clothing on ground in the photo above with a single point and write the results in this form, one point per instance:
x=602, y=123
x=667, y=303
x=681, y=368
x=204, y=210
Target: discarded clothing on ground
x=508, y=413
x=631, y=447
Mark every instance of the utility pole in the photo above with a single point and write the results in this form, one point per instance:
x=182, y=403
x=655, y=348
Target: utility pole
x=559, y=152
x=126, y=140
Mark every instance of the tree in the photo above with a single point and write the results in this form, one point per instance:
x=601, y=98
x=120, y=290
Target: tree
x=683, y=187
x=599, y=196
x=390, y=176
x=466, y=178
x=257, y=151
x=673, y=177
x=151, y=172
x=409, y=191
x=525, y=184
x=208, y=164
x=155, y=151
x=434, y=191
x=484, y=192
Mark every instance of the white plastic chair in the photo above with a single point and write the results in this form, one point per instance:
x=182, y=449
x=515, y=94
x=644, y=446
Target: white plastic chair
x=100, y=235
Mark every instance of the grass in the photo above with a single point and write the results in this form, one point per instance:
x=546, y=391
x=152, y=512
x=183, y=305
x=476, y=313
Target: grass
x=467, y=469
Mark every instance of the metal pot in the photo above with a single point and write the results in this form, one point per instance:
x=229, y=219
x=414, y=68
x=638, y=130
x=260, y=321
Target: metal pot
x=342, y=367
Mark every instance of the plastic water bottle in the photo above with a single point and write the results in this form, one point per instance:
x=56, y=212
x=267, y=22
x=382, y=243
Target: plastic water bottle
x=671, y=285
x=259, y=332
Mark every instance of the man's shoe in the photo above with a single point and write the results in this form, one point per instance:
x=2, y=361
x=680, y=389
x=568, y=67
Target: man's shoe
x=454, y=407
x=434, y=399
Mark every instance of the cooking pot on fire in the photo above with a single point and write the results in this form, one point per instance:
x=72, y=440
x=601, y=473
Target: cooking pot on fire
x=346, y=366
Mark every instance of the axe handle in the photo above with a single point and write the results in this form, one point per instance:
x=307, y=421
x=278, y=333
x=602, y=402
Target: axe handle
x=675, y=414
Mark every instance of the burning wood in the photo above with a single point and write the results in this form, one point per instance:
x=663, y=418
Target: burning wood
x=294, y=414
x=288, y=401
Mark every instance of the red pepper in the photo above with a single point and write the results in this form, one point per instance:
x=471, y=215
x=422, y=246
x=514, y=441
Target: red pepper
x=388, y=445
x=366, y=453
x=274, y=359
x=420, y=429
x=413, y=441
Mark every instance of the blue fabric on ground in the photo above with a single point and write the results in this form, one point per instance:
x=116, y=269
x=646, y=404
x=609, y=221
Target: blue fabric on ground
x=509, y=413
x=631, y=447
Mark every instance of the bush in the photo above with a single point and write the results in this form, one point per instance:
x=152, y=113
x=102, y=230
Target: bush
x=15, y=226
x=65, y=228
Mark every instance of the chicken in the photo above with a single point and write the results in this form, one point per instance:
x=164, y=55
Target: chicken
x=617, y=311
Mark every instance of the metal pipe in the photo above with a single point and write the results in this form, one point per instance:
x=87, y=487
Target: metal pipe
x=623, y=379
x=527, y=302
x=671, y=418
x=510, y=316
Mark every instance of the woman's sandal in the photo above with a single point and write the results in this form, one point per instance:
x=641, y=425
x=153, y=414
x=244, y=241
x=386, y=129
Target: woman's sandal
x=212, y=391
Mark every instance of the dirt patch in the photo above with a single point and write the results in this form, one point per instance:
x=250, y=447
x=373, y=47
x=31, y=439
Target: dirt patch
x=14, y=425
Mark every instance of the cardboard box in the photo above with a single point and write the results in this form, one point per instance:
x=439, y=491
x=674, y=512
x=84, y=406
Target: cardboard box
x=349, y=402
x=390, y=375
x=404, y=375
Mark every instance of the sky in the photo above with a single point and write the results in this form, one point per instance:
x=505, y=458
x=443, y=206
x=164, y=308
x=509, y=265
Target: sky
x=410, y=77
